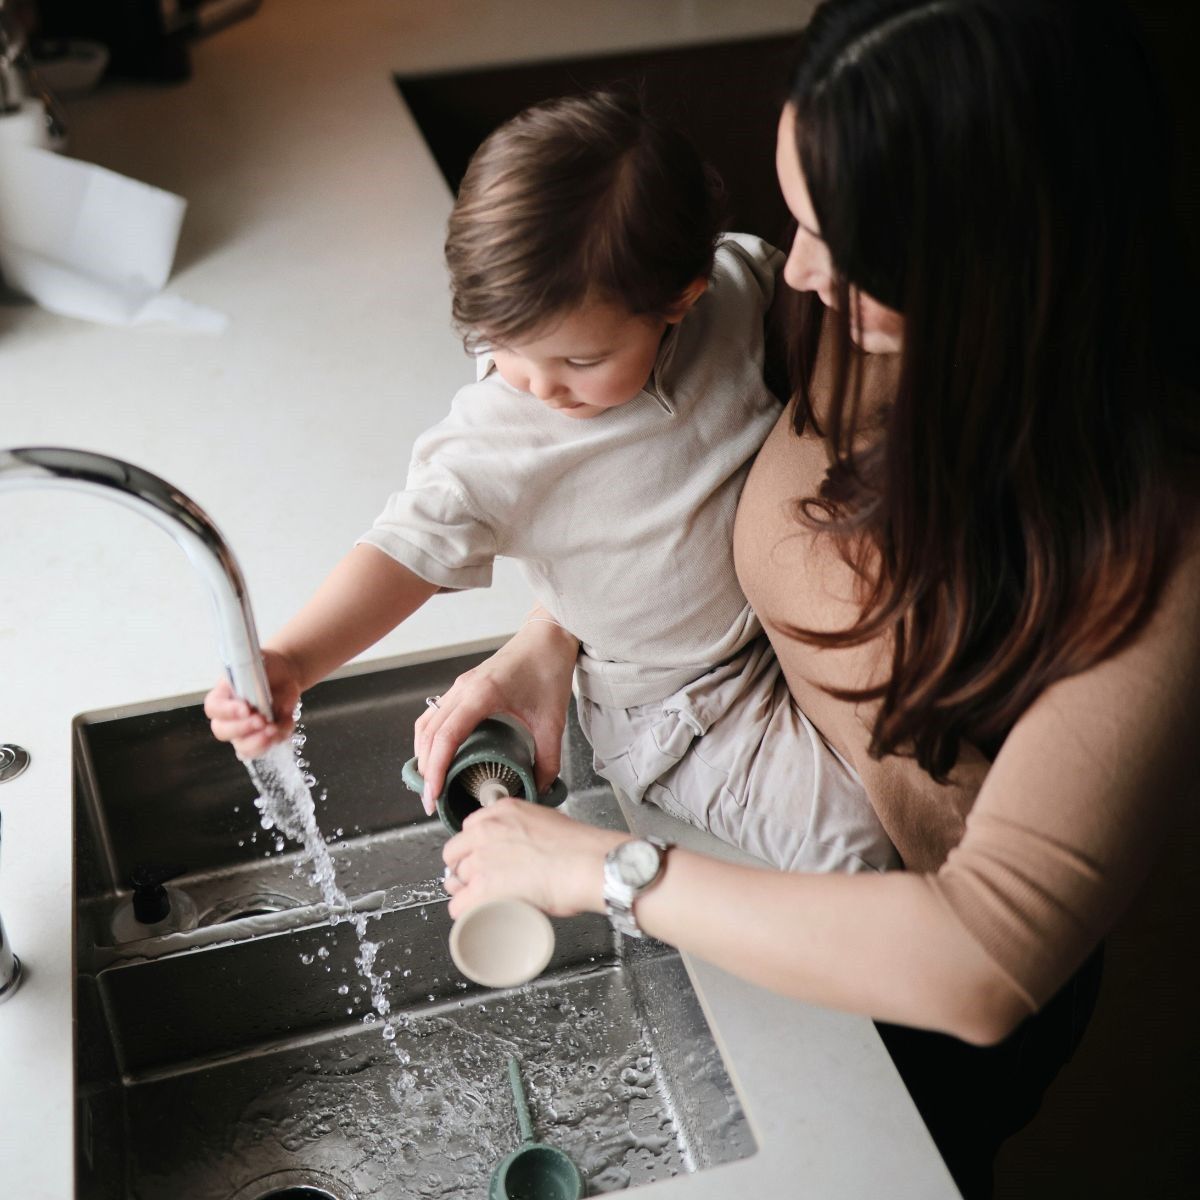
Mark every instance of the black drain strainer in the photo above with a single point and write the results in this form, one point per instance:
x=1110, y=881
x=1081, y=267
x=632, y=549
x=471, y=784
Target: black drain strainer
x=303, y=1192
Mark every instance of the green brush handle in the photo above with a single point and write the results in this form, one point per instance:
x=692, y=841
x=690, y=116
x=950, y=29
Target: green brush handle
x=523, y=1118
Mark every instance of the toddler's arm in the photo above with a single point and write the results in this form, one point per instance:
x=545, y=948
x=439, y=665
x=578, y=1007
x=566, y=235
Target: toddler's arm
x=363, y=598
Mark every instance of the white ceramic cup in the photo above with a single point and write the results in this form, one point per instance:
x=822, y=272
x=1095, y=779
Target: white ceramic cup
x=502, y=943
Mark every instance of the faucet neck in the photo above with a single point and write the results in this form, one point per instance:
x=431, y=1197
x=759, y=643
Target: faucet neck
x=186, y=522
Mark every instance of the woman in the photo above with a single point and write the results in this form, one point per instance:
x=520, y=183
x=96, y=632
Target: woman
x=971, y=538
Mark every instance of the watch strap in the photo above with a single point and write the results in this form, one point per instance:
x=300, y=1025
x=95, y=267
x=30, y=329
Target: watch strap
x=620, y=897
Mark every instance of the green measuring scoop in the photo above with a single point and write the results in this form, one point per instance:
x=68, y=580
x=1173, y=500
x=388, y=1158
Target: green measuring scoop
x=533, y=1171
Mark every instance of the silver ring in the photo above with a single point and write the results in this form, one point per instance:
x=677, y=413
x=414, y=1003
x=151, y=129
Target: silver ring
x=449, y=874
x=432, y=702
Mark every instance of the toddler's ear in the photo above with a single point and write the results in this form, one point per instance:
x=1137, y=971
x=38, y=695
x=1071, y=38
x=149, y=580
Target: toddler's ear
x=687, y=298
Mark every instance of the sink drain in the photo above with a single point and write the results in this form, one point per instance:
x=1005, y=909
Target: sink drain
x=294, y=1185
x=303, y=1192
x=255, y=904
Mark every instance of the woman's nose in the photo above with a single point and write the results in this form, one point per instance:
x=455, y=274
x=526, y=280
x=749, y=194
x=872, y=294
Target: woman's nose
x=804, y=270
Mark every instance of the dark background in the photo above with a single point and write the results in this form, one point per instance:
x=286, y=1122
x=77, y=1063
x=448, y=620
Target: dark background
x=726, y=97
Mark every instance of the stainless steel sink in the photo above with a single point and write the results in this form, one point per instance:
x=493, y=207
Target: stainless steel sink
x=240, y=1059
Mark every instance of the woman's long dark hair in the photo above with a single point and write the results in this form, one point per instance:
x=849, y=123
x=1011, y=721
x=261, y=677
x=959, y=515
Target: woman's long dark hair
x=997, y=171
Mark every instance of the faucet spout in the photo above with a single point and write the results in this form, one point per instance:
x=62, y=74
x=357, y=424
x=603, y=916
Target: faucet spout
x=183, y=519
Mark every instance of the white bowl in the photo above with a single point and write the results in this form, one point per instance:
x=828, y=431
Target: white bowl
x=502, y=943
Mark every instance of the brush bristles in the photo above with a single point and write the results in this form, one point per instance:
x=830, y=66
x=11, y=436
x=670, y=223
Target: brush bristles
x=478, y=774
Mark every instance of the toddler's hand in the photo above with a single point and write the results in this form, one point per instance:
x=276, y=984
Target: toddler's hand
x=233, y=720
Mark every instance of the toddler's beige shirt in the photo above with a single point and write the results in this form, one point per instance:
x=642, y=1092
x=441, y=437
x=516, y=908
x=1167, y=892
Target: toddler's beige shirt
x=622, y=523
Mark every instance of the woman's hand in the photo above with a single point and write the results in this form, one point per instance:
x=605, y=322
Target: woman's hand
x=233, y=720
x=515, y=848
x=529, y=678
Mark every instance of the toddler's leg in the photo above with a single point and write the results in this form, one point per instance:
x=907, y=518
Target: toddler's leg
x=732, y=754
x=788, y=797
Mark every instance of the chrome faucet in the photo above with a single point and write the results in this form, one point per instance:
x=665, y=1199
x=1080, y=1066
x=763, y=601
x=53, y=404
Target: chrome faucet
x=183, y=519
x=198, y=537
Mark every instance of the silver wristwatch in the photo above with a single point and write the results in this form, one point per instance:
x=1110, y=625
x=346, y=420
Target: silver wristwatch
x=630, y=869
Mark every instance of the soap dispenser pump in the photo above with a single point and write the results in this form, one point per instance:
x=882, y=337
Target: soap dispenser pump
x=153, y=909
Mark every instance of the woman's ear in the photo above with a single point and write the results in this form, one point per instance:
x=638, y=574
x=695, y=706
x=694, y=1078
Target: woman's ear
x=690, y=294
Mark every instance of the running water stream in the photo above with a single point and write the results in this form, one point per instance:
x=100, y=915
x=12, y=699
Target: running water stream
x=286, y=802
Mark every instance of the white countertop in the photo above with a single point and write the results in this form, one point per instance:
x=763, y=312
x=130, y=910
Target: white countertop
x=315, y=223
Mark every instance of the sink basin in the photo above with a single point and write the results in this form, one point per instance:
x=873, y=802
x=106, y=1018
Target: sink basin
x=243, y=1059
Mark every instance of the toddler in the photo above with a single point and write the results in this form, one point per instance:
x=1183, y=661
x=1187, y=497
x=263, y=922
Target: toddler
x=618, y=406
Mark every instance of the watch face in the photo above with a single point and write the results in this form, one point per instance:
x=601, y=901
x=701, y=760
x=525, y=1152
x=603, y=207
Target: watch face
x=637, y=863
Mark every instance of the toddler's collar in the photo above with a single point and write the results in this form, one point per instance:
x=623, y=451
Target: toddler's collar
x=656, y=386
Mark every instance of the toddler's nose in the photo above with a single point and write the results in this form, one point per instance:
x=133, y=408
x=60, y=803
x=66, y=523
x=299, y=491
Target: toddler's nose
x=544, y=387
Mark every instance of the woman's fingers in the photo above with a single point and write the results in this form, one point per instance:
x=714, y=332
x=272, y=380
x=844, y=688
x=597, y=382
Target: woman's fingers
x=515, y=848
x=463, y=882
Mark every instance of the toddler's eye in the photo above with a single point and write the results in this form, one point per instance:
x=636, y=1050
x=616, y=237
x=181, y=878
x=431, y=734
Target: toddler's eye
x=579, y=365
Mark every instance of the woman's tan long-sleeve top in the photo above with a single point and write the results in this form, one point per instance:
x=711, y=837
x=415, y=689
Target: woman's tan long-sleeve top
x=1037, y=854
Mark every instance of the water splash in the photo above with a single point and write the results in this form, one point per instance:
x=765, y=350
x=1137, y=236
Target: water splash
x=286, y=803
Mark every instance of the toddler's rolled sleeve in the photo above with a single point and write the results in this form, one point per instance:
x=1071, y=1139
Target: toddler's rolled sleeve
x=433, y=530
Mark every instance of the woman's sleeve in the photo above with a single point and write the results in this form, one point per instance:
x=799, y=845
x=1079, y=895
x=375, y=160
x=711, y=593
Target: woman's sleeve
x=1077, y=803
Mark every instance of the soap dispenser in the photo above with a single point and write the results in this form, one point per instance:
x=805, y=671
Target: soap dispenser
x=153, y=909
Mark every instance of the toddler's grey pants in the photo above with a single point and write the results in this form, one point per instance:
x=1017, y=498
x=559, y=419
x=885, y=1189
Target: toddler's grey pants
x=732, y=754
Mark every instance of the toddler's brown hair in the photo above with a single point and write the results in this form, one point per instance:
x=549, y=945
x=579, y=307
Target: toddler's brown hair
x=576, y=199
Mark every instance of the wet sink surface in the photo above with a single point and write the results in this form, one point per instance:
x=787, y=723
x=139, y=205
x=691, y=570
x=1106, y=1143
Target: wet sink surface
x=240, y=1059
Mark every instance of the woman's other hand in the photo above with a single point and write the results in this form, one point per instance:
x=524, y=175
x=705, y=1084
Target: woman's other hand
x=529, y=678
x=514, y=848
x=233, y=720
